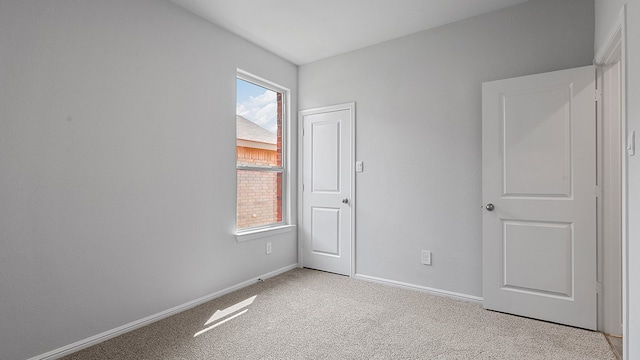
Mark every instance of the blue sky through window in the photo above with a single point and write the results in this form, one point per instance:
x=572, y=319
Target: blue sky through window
x=257, y=104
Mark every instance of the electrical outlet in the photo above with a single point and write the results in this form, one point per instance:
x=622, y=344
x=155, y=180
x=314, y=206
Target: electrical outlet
x=268, y=248
x=426, y=257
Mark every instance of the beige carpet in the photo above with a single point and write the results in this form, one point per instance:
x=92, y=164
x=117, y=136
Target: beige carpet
x=307, y=314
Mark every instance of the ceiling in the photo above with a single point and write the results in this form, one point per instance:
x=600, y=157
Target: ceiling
x=304, y=31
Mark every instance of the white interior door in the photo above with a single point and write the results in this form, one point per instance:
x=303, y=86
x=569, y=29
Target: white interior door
x=539, y=191
x=327, y=200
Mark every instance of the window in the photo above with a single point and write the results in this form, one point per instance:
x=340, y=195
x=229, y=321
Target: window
x=260, y=163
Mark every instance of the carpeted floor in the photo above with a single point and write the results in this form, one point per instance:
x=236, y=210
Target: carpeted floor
x=307, y=314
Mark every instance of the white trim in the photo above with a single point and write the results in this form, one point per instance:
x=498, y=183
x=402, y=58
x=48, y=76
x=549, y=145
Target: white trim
x=300, y=123
x=625, y=192
x=249, y=77
x=287, y=149
x=432, y=291
x=611, y=154
x=614, y=32
x=599, y=205
x=93, y=340
x=617, y=36
x=353, y=202
x=351, y=106
x=253, y=234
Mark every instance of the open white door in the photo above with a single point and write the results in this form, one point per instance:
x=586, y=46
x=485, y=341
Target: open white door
x=327, y=188
x=539, y=192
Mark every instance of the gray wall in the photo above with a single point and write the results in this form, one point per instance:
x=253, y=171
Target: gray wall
x=606, y=15
x=117, y=158
x=418, y=125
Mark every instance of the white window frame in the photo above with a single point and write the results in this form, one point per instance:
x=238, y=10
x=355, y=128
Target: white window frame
x=283, y=226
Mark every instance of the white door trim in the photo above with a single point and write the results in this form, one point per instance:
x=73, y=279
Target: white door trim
x=616, y=41
x=351, y=106
x=609, y=236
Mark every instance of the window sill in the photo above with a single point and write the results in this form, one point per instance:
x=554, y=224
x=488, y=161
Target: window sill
x=242, y=236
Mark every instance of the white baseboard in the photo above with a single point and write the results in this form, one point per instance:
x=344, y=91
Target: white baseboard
x=439, y=292
x=83, y=344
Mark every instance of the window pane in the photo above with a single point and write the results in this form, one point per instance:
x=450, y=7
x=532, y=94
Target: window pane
x=259, y=198
x=258, y=125
x=259, y=116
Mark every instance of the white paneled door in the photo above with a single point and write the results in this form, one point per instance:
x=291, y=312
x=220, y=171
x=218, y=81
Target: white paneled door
x=327, y=181
x=539, y=192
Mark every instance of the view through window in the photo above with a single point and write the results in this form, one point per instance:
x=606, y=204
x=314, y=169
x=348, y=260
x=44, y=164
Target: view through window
x=260, y=170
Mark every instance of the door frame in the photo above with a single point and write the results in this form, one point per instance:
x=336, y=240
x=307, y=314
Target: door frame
x=614, y=50
x=609, y=217
x=351, y=107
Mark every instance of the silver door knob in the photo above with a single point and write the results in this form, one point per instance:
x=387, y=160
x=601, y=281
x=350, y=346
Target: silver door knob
x=490, y=207
x=345, y=201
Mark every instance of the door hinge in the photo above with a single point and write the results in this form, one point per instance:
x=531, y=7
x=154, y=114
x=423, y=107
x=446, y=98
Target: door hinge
x=598, y=287
x=598, y=191
x=598, y=95
x=302, y=187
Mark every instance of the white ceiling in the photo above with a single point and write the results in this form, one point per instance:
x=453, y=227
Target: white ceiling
x=303, y=31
